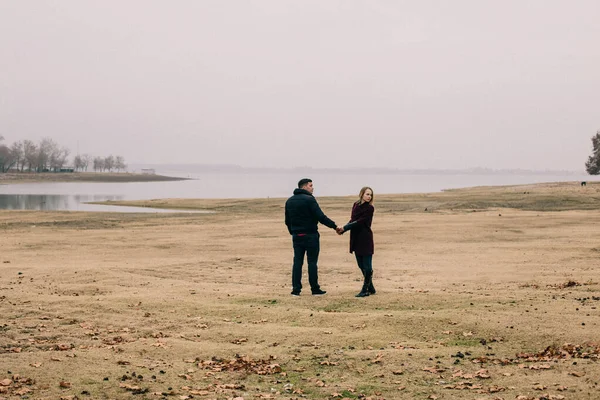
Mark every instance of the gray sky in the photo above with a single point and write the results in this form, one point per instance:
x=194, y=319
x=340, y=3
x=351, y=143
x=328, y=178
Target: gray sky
x=325, y=83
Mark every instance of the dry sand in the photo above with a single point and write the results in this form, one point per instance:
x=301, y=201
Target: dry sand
x=492, y=293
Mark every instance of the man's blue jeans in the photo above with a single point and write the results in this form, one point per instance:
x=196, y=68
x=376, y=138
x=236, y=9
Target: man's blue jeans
x=305, y=244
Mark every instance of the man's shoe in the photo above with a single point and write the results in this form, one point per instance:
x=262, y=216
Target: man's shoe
x=295, y=293
x=318, y=292
x=363, y=293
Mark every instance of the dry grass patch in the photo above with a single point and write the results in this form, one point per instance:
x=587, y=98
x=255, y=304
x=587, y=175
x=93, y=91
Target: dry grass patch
x=470, y=304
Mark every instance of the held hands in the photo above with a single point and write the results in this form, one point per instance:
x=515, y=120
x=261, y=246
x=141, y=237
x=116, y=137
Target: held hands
x=339, y=230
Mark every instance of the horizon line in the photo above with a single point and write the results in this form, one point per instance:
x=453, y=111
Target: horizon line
x=390, y=169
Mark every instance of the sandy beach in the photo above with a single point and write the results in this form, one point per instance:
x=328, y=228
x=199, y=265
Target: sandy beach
x=482, y=293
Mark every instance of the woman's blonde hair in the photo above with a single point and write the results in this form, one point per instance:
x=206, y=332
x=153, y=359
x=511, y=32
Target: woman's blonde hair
x=362, y=192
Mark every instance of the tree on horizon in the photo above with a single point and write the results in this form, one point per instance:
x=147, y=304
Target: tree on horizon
x=592, y=166
x=49, y=156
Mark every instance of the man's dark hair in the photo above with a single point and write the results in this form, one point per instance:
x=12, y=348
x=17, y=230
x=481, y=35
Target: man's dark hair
x=303, y=182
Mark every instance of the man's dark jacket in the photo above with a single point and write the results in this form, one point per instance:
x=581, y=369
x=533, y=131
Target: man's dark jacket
x=302, y=213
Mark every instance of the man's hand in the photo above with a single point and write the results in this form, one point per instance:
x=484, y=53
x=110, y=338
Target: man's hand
x=339, y=230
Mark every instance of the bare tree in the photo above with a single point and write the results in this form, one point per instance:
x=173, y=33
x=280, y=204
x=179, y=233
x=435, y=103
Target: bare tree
x=109, y=163
x=30, y=154
x=6, y=158
x=3, y=154
x=58, y=158
x=120, y=163
x=78, y=163
x=98, y=164
x=46, y=151
x=86, y=160
x=17, y=151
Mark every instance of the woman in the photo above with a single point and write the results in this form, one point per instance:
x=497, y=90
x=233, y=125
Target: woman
x=361, y=238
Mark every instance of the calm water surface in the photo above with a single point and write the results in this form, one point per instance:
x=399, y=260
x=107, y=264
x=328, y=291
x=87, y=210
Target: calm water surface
x=73, y=196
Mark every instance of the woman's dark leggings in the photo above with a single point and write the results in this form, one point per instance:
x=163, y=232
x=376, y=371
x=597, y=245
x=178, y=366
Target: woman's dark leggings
x=365, y=263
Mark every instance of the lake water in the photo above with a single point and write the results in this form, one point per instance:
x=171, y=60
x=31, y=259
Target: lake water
x=74, y=195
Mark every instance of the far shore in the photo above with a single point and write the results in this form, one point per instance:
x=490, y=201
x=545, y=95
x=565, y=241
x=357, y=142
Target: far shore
x=33, y=177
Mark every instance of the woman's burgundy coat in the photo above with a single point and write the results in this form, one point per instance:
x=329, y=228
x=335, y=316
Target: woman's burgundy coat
x=361, y=235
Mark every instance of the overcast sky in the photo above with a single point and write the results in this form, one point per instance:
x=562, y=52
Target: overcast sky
x=324, y=83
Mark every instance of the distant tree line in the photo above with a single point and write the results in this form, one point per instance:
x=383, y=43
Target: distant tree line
x=48, y=156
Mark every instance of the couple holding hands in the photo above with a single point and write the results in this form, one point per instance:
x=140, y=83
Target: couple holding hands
x=302, y=215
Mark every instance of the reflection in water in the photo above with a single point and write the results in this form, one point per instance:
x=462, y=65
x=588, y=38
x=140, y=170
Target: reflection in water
x=59, y=202
x=49, y=202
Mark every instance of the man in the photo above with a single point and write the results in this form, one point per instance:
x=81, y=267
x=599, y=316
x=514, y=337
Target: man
x=302, y=215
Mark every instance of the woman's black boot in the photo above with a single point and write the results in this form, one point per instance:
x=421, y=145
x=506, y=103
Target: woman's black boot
x=371, y=287
x=364, y=292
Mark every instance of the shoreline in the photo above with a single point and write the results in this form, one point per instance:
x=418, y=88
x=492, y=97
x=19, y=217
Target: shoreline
x=41, y=177
x=554, y=196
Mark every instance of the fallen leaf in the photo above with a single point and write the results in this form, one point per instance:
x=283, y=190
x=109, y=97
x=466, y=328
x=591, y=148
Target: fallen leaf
x=328, y=363
x=482, y=374
x=433, y=370
x=542, y=366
